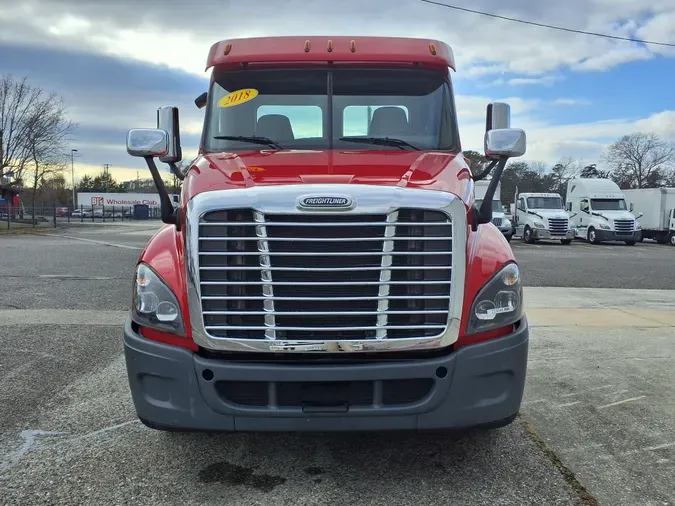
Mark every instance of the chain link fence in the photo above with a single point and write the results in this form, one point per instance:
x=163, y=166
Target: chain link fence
x=54, y=215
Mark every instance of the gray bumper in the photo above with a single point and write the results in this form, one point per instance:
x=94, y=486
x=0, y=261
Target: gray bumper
x=608, y=235
x=481, y=384
x=539, y=233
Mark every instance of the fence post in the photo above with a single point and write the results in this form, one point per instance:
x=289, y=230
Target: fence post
x=92, y=213
x=9, y=213
x=113, y=213
x=70, y=211
x=81, y=213
x=54, y=215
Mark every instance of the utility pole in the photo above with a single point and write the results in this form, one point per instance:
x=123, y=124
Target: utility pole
x=106, y=174
x=72, y=172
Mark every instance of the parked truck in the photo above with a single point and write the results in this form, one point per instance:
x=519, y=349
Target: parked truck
x=499, y=218
x=601, y=212
x=657, y=209
x=541, y=216
x=327, y=267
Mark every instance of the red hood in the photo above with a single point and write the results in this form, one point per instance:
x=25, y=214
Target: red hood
x=430, y=170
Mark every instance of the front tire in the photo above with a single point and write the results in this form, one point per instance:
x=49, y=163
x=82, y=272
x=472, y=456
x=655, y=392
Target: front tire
x=592, y=236
x=672, y=239
x=566, y=241
x=527, y=235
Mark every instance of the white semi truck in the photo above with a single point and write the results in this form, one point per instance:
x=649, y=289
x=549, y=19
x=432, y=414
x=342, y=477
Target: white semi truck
x=657, y=207
x=499, y=218
x=541, y=216
x=601, y=212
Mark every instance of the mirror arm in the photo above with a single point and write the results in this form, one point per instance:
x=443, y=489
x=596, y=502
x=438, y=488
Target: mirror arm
x=484, y=213
x=166, y=206
x=484, y=174
x=176, y=171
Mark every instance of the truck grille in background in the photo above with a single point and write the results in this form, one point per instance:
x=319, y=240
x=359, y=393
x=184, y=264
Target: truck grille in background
x=325, y=277
x=623, y=227
x=497, y=222
x=557, y=226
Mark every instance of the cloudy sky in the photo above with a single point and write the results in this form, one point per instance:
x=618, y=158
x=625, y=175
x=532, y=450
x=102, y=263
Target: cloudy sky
x=116, y=61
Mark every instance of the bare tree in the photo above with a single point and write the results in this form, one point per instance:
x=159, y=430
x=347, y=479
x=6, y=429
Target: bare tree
x=561, y=173
x=32, y=124
x=46, y=136
x=640, y=160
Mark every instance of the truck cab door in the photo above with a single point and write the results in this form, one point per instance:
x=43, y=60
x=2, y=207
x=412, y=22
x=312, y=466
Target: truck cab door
x=521, y=209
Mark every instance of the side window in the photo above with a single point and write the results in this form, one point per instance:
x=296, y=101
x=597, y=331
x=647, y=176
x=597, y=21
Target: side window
x=306, y=120
x=584, y=206
x=521, y=204
x=357, y=118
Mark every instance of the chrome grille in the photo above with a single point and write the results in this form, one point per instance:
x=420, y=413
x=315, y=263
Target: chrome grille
x=557, y=226
x=497, y=222
x=325, y=276
x=624, y=227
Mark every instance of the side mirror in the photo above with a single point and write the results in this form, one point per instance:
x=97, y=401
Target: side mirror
x=498, y=116
x=630, y=207
x=640, y=215
x=569, y=206
x=572, y=215
x=200, y=101
x=147, y=142
x=167, y=120
x=504, y=142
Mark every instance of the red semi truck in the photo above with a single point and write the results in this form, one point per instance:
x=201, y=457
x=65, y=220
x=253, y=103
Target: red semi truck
x=327, y=267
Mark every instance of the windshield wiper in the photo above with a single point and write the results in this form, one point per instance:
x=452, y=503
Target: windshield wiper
x=252, y=139
x=383, y=141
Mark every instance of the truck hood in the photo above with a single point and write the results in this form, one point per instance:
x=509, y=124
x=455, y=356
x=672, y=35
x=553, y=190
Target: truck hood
x=414, y=169
x=551, y=213
x=614, y=215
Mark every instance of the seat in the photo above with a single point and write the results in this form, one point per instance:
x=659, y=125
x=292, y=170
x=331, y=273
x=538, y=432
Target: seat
x=275, y=126
x=388, y=122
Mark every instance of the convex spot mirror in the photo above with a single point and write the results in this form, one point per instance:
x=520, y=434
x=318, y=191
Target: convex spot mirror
x=147, y=142
x=167, y=120
x=508, y=142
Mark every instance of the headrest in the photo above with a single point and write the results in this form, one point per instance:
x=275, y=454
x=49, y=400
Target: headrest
x=275, y=126
x=388, y=122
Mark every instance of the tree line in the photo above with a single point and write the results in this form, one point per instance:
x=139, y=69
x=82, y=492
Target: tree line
x=637, y=160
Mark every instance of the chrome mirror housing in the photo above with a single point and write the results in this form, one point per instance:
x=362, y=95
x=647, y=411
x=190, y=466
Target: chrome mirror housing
x=144, y=142
x=508, y=142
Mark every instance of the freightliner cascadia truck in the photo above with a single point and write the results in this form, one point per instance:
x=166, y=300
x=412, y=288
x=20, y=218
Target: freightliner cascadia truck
x=327, y=268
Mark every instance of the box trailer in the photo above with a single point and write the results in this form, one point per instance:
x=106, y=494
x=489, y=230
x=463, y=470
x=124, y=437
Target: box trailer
x=657, y=206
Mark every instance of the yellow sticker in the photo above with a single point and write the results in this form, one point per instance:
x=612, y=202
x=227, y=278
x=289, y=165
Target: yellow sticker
x=237, y=97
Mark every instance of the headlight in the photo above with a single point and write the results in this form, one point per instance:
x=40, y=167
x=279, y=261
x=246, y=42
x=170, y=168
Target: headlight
x=539, y=225
x=499, y=302
x=604, y=226
x=638, y=226
x=506, y=223
x=154, y=304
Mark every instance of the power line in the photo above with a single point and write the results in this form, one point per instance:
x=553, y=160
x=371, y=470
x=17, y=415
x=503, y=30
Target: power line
x=544, y=25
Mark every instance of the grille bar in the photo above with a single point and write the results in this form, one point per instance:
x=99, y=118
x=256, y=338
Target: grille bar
x=320, y=329
x=323, y=253
x=328, y=224
x=385, y=276
x=315, y=313
x=329, y=299
x=265, y=276
x=319, y=283
x=326, y=239
x=331, y=269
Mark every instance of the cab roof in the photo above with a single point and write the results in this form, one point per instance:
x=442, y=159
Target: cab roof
x=324, y=49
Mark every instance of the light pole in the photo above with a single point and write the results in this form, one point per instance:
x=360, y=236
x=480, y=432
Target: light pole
x=72, y=171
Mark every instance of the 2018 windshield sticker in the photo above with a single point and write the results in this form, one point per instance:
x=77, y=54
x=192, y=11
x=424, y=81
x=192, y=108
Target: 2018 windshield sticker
x=237, y=97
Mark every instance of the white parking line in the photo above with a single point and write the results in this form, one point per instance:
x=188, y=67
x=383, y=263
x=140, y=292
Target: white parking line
x=103, y=243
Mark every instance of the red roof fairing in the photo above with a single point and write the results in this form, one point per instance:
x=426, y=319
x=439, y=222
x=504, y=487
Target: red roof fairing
x=366, y=49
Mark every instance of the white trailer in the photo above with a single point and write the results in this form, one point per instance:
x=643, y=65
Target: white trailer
x=657, y=206
x=499, y=218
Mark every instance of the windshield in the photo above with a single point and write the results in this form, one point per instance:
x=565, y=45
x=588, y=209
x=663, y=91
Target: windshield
x=544, y=203
x=496, y=205
x=608, y=204
x=293, y=109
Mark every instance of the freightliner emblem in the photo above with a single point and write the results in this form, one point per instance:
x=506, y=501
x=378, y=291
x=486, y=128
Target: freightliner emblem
x=325, y=201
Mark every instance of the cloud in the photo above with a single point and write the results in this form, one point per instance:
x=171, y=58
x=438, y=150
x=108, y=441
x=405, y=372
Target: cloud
x=571, y=101
x=525, y=81
x=142, y=31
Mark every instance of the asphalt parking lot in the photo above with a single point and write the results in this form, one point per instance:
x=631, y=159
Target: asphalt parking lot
x=597, y=425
